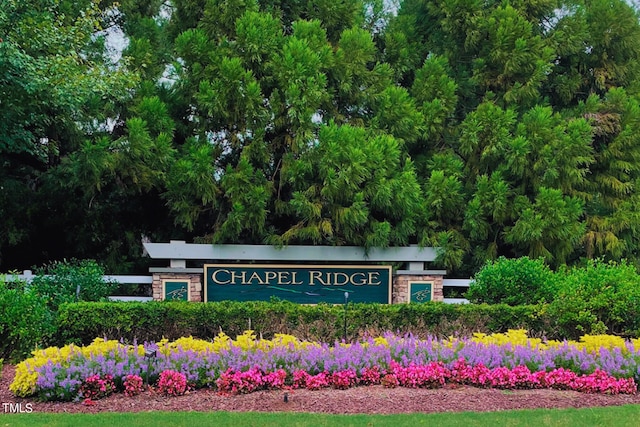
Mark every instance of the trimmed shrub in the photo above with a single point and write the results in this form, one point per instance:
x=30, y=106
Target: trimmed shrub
x=602, y=297
x=513, y=282
x=25, y=321
x=82, y=322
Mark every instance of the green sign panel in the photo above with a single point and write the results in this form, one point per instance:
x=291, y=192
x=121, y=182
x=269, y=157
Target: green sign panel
x=307, y=284
x=175, y=290
x=420, y=292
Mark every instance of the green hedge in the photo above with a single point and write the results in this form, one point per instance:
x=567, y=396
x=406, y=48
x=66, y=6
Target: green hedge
x=25, y=321
x=82, y=322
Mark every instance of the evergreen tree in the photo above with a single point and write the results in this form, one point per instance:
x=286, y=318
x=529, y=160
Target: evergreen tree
x=299, y=128
x=485, y=128
x=56, y=87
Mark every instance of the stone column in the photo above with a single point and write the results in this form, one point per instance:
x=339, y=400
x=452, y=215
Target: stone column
x=402, y=279
x=191, y=275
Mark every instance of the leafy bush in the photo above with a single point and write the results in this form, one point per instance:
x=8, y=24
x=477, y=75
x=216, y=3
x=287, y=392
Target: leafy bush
x=600, y=297
x=516, y=281
x=25, y=321
x=69, y=281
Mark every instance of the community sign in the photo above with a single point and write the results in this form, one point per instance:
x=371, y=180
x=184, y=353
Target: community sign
x=307, y=284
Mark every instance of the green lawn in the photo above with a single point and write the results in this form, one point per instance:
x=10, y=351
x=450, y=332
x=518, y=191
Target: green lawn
x=613, y=416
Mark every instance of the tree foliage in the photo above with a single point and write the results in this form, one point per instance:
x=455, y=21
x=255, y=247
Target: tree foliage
x=487, y=129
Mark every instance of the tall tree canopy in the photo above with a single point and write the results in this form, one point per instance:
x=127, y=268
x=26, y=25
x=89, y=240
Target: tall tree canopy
x=486, y=128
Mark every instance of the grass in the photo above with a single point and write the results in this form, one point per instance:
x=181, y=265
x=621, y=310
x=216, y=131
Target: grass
x=628, y=415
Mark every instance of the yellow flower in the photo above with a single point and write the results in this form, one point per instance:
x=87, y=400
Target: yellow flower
x=24, y=383
x=381, y=341
x=593, y=343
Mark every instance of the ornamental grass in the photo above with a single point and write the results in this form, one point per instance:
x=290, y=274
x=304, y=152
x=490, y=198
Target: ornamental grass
x=595, y=364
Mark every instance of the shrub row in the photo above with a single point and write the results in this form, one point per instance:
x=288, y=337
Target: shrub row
x=597, y=297
x=151, y=321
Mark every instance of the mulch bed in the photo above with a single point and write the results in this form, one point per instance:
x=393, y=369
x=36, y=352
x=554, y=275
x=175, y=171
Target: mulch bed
x=368, y=400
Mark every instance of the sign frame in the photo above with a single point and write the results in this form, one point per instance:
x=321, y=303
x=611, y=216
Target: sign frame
x=419, y=283
x=185, y=283
x=387, y=268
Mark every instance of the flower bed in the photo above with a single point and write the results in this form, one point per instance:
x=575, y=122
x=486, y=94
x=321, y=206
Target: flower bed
x=603, y=364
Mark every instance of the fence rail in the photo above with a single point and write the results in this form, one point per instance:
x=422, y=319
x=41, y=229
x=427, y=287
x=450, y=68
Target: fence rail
x=27, y=276
x=462, y=284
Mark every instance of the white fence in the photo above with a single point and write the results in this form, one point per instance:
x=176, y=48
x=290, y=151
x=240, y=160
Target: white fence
x=461, y=284
x=27, y=275
x=130, y=280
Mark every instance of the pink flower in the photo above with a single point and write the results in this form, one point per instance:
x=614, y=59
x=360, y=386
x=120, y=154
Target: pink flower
x=133, y=385
x=96, y=387
x=389, y=381
x=370, y=376
x=276, y=380
x=300, y=379
x=343, y=379
x=172, y=383
x=316, y=382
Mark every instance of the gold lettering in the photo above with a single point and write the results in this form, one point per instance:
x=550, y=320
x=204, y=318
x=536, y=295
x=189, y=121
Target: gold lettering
x=243, y=276
x=215, y=279
x=375, y=274
x=313, y=275
x=343, y=276
x=282, y=276
x=293, y=278
x=316, y=277
x=256, y=276
x=362, y=281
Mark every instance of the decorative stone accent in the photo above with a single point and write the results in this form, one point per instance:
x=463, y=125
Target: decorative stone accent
x=194, y=279
x=400, y=291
